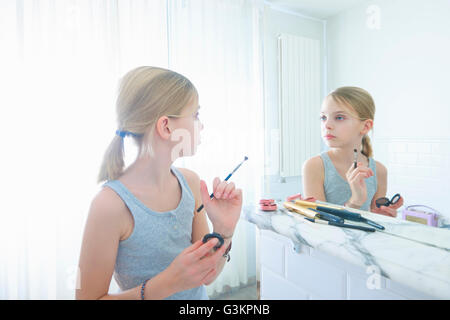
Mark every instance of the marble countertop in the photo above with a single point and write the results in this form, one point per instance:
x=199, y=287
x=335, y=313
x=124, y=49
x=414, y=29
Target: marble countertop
x=409, y=253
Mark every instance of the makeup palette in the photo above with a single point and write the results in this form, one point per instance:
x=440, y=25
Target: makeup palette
x=268, y=205
x=299, y=197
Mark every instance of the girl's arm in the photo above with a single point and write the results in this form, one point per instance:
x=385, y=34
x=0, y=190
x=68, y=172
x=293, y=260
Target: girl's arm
x=381, y=184
x=103, y=231
x=200, y=225
x=104, y=228
x=313, y=178
x=314, y=175
x=382, y=178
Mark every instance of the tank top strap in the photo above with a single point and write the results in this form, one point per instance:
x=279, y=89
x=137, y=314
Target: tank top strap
x=134, y=205
x=183, y=182
x=372, y=165
x=331, y=176
x=326, y=161
x=121, y=191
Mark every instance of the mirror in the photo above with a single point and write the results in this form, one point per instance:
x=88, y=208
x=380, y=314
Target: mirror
x=398, y=52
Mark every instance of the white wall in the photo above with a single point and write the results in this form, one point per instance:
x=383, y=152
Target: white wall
x=275, y=23
x=405, y=65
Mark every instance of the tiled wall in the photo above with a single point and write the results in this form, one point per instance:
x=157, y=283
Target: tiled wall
x=419, y=169
x=280, y=188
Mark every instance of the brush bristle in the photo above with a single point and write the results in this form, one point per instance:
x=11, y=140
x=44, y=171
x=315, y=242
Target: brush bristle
x=246, y=158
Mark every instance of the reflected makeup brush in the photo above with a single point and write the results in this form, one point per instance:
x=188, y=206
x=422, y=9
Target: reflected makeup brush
x=342, y=225
x=355, y=158
x=226, y=179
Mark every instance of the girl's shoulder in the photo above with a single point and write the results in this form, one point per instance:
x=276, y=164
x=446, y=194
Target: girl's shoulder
x=107, y=198
x=314, y=165
x=188, y=173
x=191, y=177
x=108, y=209
x=381, y=169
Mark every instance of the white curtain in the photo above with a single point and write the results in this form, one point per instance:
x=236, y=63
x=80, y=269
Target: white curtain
x=217, y=45
x=60, y=62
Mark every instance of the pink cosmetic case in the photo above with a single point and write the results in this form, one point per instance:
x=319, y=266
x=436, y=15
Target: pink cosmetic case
x=421, y=214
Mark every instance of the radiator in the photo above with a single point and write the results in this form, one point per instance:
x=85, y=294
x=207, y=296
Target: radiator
x=299, y=70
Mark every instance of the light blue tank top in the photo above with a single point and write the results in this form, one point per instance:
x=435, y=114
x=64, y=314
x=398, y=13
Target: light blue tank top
x=337, y=190
x=157, y=238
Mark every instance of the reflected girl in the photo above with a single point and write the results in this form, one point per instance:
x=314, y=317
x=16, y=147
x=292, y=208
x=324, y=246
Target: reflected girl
x=346, y=117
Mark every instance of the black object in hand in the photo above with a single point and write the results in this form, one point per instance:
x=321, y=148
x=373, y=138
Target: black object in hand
x=214, y=235
x=386, y=202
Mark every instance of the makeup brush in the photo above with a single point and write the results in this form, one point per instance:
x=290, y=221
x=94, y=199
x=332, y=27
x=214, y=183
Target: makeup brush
x=342, y=225
x=226, y=179
x=355, y=158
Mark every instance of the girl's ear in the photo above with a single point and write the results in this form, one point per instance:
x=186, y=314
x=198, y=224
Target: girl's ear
x=368, y=125
x=162, y=127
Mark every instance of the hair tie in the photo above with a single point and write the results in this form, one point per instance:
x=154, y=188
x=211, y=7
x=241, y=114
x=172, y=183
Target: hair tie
x=123, y=134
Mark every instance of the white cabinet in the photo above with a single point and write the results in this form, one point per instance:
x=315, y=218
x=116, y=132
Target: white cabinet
x=289, y=272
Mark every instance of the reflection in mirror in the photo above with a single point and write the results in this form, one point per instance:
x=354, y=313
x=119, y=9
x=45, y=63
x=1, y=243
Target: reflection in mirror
x=384, y=81
x=347, y=173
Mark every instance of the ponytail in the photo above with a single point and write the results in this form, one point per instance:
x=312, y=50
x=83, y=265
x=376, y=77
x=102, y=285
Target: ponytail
x=367, y=147
x=113, y=163
x=145, y=94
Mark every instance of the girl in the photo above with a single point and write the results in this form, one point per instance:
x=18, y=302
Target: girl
x=143, y=225
x=347, y=116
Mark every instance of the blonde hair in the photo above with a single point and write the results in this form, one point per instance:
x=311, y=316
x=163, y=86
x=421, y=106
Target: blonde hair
x=362, y=104
x=145, y=95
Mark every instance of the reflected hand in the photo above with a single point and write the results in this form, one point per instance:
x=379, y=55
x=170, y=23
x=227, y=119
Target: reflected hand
x=398, y=204
x=386, y=211
x=390, y=211
x=355, y=178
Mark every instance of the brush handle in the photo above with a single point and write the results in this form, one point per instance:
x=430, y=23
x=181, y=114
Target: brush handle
x=329, y=217
x=226, y=179
x=350, y=216
x=341, y=225
x=350, y=226
x=373, y=223
x=341, y=213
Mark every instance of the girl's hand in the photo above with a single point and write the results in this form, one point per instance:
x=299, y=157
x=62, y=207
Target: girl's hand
x=194, y=266
x=224, y=209
x=387, y=211
x=390, y=211
x=355, y=178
